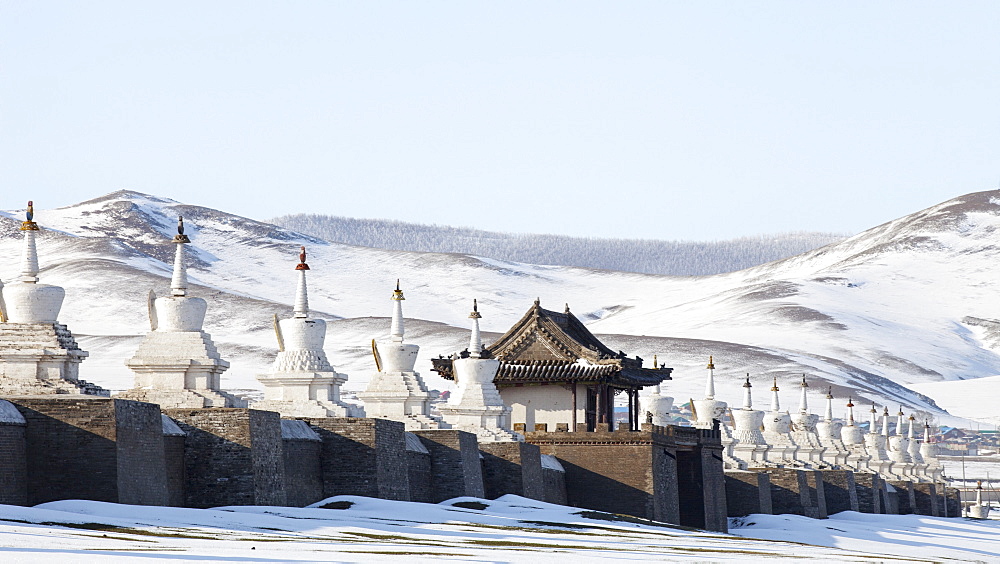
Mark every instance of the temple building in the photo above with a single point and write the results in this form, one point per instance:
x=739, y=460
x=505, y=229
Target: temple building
x=177, y=364
x=553, y=371
x=38, y=355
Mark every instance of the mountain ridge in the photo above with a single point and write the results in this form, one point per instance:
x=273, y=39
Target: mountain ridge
x=876, y=316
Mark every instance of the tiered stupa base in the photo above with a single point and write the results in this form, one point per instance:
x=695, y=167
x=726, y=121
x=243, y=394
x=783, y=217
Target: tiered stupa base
x=399, y=396
x=485, y=423
x=195, y=399
x=41, y=359
x=308, y=408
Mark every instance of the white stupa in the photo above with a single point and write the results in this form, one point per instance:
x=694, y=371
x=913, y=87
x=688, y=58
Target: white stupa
x=302, y=383
x=709, y=409
x=853, y=438
x=177, y=364
x=804, y=429
x=658, y=406
x=38, y=355
x=929, y=454
x=475, y=405
x=828, y=433
x=749, y=446
x=899, y=446
x=396, y=391
x=777, y=433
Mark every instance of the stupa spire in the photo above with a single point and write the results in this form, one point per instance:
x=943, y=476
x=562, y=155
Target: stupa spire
x=396, y=331
x=747, y=400
x=828, y=416
x=775, y=404
x=179, y=281
x=899, y=421
x=885, y=422
x=850, y=412
x=29, y=266
x=710, y=385
x=909, y=430
x=874, y=421
x=927, y=432
x=475, y=342
x=803, y=400
x=301, y=291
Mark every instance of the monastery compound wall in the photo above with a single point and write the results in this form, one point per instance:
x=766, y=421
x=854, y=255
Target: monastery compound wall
x=511, y=427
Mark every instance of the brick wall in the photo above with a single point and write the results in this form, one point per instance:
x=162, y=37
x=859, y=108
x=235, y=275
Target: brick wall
x=953, y=501
x=555, y=486
x=840, y=490
x=363, y=456
x=173, y=453
x=817, y=491
x=906, y=497
x=747, y=493
x=791, y=492
x=73, y=450
x=455, y=466
x=232, y=456
x=713, y=480
x=303, y=473
x=142, y=469
x=870, y=490
x=927, y=498
x=512, y=468
x=419, y=470
x=13, y=465
x=632, y=473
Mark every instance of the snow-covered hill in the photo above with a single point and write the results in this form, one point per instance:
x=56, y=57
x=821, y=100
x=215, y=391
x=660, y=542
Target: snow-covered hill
x=904, y=304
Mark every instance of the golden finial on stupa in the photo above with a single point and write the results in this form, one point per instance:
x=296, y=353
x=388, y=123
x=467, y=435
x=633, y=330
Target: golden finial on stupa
x=29, y=225
x=302, y=259
x=397, y=294
x=711, y=365
x=181, y=237
x=475, y=311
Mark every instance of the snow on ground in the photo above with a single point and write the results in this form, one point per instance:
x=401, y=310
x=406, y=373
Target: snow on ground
x=509, y=529
x=975, y=399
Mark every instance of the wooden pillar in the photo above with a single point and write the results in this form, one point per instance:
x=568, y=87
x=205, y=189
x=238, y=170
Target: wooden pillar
x=630, y=414
x=572, y=426
x=601, y=409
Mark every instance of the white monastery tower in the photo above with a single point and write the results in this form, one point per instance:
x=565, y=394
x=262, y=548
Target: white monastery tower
x=38, y=355
x=475, y=405
x=396, y=391
x=177, y=364
x=302, y=383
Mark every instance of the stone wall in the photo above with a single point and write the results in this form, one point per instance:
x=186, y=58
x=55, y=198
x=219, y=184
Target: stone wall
x=13, y=463
x=840, y=491
x=93, y=448
x=927, y=498
x=456, y=469
x=302, y=449
x=953, y=502
x=232, y=456
x=512, y=468
x=871, y=492
x=747, y=493
x=792, y=492
x=554, y=478
x=173, y=453
x=905, y=496
x=363, y=456
x=632, y=473
x=713, y=480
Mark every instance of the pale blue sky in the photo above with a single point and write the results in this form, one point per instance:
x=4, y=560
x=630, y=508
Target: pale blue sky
x=674, y=120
